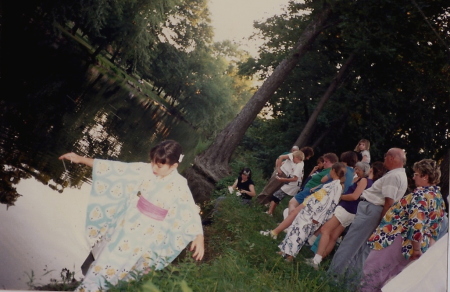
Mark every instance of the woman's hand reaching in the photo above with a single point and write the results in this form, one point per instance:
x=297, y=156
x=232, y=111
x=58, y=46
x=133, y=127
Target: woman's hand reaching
x=198, y=246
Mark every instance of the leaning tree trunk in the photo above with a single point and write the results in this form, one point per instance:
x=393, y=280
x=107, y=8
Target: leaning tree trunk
x=305, y=135
x=212, y=164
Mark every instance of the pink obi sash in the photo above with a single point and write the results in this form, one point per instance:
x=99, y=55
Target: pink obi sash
x=151, y=210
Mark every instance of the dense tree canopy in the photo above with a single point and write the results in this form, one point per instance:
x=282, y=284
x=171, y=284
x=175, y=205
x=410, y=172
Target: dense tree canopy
x=395, y=94
x=395, y=91
x=169, y=43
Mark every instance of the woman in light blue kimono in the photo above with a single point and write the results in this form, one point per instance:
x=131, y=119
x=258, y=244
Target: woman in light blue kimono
x=140, y=216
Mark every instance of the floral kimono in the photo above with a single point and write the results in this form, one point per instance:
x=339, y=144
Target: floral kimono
x=319, y=207
x=136, y=221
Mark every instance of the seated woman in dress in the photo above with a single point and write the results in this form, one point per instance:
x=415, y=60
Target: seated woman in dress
x=407, y=229
x=346, y=209
x=317, y=209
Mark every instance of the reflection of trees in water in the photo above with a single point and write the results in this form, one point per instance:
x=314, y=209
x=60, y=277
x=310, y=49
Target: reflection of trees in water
x=97, y=120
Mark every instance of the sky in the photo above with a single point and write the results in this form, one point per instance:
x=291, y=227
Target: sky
x=233, y=19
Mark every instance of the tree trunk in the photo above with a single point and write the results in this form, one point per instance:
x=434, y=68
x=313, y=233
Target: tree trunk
x=305, y=135
x=212, y=164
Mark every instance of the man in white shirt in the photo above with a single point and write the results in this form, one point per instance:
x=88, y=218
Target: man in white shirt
x=274, y=184
x=349, y=259
x=292, y=166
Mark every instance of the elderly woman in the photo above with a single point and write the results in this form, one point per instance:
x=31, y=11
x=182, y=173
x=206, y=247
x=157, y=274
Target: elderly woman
x=408, y=228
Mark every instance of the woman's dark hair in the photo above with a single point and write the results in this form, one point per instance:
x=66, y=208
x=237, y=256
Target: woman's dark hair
x=320, y=159
x=378, y=170
x=247, y=171
x=308, y=151
x=166, y=152
x=350, y=158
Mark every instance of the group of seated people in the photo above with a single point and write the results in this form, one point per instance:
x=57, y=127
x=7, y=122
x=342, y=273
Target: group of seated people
x=386, y=228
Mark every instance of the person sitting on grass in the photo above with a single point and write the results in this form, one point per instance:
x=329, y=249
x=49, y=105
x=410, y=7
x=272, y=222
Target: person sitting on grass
x=140, y=216
x=315, y=181
x=347, y=262
x=317, y=169
x=313, y=185
x=318, y=208
x=293, y=168
x=245, y=185
x=346, y=210
x=274, y=184
x=407, y=230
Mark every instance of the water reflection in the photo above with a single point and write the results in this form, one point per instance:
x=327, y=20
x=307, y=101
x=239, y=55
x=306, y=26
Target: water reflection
x=42, y=234
x=101, y=119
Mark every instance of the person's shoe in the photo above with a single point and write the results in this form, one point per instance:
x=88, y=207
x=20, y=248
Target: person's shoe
x=267, y=212
x=288, y=258
x=310, y=262
x=268, y=233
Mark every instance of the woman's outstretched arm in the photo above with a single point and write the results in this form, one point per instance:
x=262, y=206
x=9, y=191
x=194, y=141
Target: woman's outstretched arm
x=75, y=158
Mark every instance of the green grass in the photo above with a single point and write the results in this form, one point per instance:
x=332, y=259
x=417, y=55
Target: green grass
x=237, y=257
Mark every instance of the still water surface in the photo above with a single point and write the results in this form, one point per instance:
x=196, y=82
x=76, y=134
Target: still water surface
x=42, y=234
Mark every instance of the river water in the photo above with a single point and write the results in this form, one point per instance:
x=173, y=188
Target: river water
x=42, y=234
x=43, y=200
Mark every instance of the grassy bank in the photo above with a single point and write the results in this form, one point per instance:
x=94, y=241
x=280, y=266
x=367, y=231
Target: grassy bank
x=237, y=257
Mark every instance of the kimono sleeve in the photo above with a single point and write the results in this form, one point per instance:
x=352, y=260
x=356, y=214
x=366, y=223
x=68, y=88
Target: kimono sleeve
x=116, y=179
x=191, y=216
x=113, y=183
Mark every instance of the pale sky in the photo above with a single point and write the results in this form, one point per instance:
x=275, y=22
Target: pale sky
x=233, y=19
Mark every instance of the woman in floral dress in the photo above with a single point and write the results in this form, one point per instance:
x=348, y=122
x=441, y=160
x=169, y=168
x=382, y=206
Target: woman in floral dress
x=408, y=228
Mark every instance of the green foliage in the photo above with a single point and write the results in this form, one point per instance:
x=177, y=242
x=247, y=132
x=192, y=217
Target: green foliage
x=201, y=83
x=395, y=93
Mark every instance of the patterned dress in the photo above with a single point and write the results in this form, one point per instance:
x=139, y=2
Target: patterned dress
x=319, y=207
x=136, y=221
x=416, y=217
